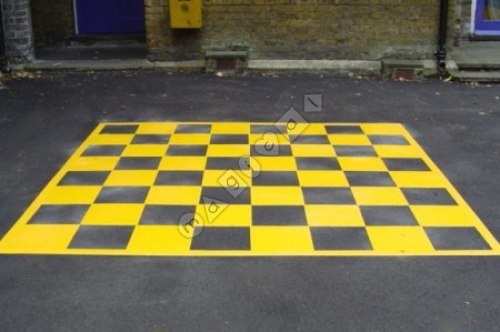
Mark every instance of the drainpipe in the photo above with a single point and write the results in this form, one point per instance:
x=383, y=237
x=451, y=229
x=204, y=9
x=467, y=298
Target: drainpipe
x=443, y=30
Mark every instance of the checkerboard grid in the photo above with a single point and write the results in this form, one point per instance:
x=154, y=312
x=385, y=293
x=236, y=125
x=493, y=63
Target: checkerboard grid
x=374, y=248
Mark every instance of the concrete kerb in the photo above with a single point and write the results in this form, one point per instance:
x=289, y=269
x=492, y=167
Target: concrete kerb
x=334, y=67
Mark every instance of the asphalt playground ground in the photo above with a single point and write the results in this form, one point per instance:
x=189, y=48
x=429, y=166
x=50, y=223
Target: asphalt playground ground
x=249, y=284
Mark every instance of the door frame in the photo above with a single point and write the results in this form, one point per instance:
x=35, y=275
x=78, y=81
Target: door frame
x=479, y=26
x=75, y=18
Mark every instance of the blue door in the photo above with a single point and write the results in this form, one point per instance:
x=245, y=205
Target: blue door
x=487, y=18
x=110, y=16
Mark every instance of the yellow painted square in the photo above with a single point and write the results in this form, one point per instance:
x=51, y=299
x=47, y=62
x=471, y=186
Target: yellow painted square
x=378, y=196
x=190, y=139
x=348, y=139
x=281, y=239
x=110, y=139
x=443, y=216
x=269, y=138
x=33, y=239
x=228, y=150
x=296, y=128
x=226, y=178
x=174, y=195
x=152, y=239
x=70, y=195
x=145, y=150
x=361, y=164
x=418, y=179
x=313, y=150
x=276, y=195
x=155, y=128
x=407, y=239
x=113, y=214
x=397, y=151
x=92, y=163
x=333, y=215
x=382, y=128
x=322, y=179
x=230, y=215
x=306, y=129
x=273, y=163
x=131, y=178
x=182, y=163
x=230, y=128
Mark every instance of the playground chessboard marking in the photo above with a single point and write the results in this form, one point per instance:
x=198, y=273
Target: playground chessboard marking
x=249, y=189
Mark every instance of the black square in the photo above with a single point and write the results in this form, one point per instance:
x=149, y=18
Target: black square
x=138, y=163
x=225, y=195
x=101, y=237
x=286, y=215
x=122, y=195
x=387, y=215
x=309, y=139
x=428, y=196
x=193, y=128
x=165, y=214
x=151, y=139
x=179, y=178
x=340, y=238
x=344, y=129
x=59, y=214
x=369, y=179
x=228, y=139
x=227, y=163
x=119, y=129
x=317, y=163
x=322, y=195
x=84, y=178
x=270, y=149
x=405, y=164
x=222, y=238
x=388, y=139
x=103, y=151
x=264, y=129
x=187, y=150
x=456, y=238
x=278, y=178
x=355, y=151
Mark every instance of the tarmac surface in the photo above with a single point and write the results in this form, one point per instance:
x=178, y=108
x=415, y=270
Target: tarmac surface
x=43, y=121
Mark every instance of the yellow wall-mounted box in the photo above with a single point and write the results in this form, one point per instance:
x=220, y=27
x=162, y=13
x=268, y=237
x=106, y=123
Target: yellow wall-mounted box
x=185, y=14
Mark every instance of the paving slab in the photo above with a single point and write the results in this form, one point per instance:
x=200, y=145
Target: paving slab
x=477, y=55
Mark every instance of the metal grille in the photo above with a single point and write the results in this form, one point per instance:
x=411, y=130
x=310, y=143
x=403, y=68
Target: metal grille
x=225, y=64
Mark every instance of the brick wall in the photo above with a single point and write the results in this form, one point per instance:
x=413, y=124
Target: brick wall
x=53, y=21
x=270, y=29
x=302, y=29
x=17, y=30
